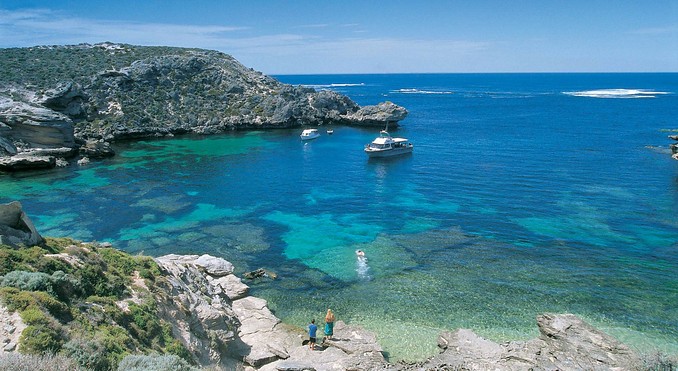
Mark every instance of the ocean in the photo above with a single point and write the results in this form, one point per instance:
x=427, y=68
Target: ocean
x=525, y=194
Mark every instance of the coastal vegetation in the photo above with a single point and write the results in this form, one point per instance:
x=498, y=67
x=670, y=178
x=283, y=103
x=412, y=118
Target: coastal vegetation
x=87, y=302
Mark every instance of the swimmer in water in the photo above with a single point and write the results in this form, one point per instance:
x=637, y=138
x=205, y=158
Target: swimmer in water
x=360, y=253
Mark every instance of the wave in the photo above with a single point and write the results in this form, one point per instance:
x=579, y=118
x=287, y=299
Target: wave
x=335, y=85
x=616, y=93
x=418, y=91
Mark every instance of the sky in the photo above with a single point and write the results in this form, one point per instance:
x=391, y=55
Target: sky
x=371, y=36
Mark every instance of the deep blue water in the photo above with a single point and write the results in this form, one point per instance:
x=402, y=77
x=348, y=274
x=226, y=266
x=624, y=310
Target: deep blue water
x=525, y=193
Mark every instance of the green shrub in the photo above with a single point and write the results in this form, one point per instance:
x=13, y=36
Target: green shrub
x=116, y=341
x=38, y=339
x=88, y=353
x=117, y=260
x=44, y=362
x=28, y=281
x=144, y=324
x=154, y=363
x=21, y=259
x=16, y=300
x=34, y=316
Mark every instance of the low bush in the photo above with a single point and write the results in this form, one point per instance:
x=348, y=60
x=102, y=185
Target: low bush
x=89, y=354
x=39, y=339
x=28, y=281
x=154, y=363
x=29, y=362
x=34, y=316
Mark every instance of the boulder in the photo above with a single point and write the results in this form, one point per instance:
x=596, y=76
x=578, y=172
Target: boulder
x=16, y=228
x=379, y=115
x=96, y=149
x=214, y=266
x=25, y=162
x=565, y=343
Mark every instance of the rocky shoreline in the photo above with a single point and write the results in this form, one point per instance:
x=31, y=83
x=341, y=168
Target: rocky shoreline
x=49, y=118
x=221, y=325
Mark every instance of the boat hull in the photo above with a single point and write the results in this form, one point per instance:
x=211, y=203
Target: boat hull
x=372, y=153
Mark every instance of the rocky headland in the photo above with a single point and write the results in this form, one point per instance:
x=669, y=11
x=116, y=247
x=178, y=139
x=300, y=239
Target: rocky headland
x=194, y=308
x=60, y=102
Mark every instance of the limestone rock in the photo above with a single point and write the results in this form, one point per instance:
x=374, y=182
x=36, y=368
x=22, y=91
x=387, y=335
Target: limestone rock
x=379, y=115
x=96, y=149
x=199, y=311
x=16, y=228
x=232, y=286
x=36, y=126
x=566, y=343
x=67, y=98
x=214, y=266
x=24, y=162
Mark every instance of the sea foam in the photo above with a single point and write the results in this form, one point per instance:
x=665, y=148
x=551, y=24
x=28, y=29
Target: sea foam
x=616, y=93
x=418, y=91
x=334, y=85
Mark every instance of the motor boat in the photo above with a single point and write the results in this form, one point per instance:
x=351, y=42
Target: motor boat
x=309, y=134
x=385, y=146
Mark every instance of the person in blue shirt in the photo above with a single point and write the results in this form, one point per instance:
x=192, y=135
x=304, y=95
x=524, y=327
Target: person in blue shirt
x=312, y=329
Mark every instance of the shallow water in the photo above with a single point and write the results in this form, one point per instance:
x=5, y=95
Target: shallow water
x=526, y=193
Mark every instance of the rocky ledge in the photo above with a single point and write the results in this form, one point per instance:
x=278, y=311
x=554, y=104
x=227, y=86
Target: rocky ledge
x=65, y=109
x=216, y=306
x=212, y=314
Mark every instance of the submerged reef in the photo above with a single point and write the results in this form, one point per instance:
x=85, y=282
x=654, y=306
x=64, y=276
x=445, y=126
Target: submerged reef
x=89, y=305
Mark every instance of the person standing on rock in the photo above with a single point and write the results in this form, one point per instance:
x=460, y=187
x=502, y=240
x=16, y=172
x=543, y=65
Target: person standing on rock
x=329, y=325
x=312, y=329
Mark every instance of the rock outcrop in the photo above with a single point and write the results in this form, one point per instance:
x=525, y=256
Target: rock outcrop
x=127, y=92
x=385, y=112
x=33, y=136
x=565, y=343
x=674, y=147
x=16, y=228
x=220, y=324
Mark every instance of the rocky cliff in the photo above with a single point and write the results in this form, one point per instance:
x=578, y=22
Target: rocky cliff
x=54, y=100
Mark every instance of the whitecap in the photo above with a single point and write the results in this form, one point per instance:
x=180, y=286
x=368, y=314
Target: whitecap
x=616, y=93
x=418, y=91
x=333, y=85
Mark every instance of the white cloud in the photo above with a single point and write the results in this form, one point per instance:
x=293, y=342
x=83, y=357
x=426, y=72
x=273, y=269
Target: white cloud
x=276, y=53
x=40, y=26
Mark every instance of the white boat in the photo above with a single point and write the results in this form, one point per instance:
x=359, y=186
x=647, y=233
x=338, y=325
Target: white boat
x=330, y=131
x=309, y=134
x=385, y=146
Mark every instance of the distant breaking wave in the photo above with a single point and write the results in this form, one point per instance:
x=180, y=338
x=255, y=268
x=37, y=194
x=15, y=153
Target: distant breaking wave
x=616, y=93
x=417, y=91
x=323, y=86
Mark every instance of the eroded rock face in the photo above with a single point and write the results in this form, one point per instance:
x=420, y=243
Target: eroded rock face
x=379, y=115
x=199, y=311
x=566, y=343
x=220, y=324
x=35, y=126
x=16, y=228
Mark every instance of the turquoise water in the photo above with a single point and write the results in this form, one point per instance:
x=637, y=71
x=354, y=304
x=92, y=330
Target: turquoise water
x=526, y=193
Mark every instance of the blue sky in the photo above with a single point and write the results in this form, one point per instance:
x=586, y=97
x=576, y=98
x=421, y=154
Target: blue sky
x=372, y=36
